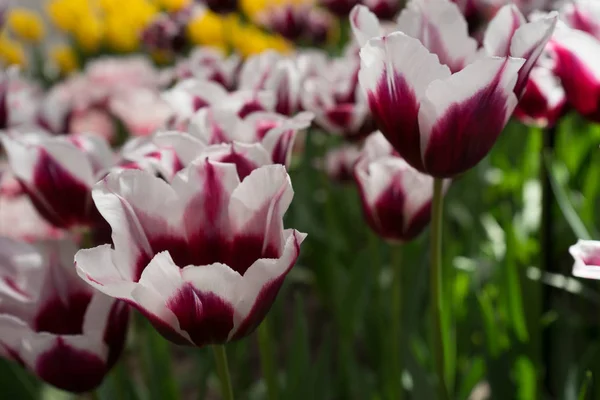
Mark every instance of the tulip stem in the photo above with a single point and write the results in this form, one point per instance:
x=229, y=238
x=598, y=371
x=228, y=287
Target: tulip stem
x=397, y=355
x=267, y=360
x=223, y=371
x=436, y=288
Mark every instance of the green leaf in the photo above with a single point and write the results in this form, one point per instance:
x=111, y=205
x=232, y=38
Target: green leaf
x=587, y=381
x=513, y=286
x=475, y=374
x=526, y=377
x=16, y=383
x=576, y=224
x=298, y=364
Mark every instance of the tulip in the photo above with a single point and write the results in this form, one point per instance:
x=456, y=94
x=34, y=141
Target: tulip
x=141, y=110
x=337, y=101
x=544, y=99
x=203, y=257
x=587, y=259
x=18, y=217
x=339, y=163
x=396, y=198
x=19, y=101
x=583, y=15
x=576, y=55
x=275, y=132
x=205, y=63
x=433, y=114
x=164, y=34
x=144, y=153
x=58, y=173
x=54, y=324
x=272, y=72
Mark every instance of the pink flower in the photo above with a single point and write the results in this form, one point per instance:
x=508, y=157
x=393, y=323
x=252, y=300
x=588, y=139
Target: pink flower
x=205, y=63
x=58, y=173
x=442, y=123
x=203, y=257
x=587, y=259
x=19, y=101
x=337, y=100
x=54, y=324
x=339, y=162
x=544, y=99
x=396, y=198
x=142, y=110
x=18, y=217
x=93, y=121
x=270, y=71
x=115, y=73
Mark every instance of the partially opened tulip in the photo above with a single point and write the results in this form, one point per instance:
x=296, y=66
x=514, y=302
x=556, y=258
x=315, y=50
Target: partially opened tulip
x=206, y=63
x=544, y=101
x=576, y=64
x=19, y=101
x=583, y=15
x=395, y=197
x=202, y=258
x=430, y=97
x=58, y=173
x=273, y=72
x=54, y=324
x=586, y=254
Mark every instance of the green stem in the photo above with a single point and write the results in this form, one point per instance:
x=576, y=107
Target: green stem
x=396, y=334
x=436, y=288
x=267, y=360
x=223, y=371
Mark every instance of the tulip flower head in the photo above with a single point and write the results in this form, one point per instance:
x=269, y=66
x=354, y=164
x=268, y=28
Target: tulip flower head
x=586, y=254
x=203, y=257
x=53, y=323
x=440, y=104
x=396, y=198
x=58, y=173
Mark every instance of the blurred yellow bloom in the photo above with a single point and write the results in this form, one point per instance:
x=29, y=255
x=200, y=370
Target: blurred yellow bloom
x=249, y=40
x=173, y=5
x=207, y=29
x=11, y=52
x=120, y=35
x=88, y=32
x=65, y=58
x=26, y=25
x=66, y=14
x=253, y=7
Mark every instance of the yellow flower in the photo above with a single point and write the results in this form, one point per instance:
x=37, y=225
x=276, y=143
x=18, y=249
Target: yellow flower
x=120, y=35
x=11, y=53
x=207, y=29
x=66, y=14
x=88, y=32
x=173, y=5
x=26, y=25
x=249, y=40
x=65, y=59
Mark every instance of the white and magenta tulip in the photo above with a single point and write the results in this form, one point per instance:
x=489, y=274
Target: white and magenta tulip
x=395, y=197
x=544, y=101
x=203, y=257
x=586, y=254
x=58, y=174
x=51, y=322
x=441, y=105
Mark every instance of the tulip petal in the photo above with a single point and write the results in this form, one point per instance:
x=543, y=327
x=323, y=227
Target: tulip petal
x=365, y=24
x=528, y=42
x=246, y=157
x=441, y=28
x=140, y=210
x=462, y=116
x=587, y=259
x=256, y=212
x=73, y=363
x=501, y=29
x=261, y=283
x=395, y=72
x=186, y=147
x=204, y=189
x=578, y=67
